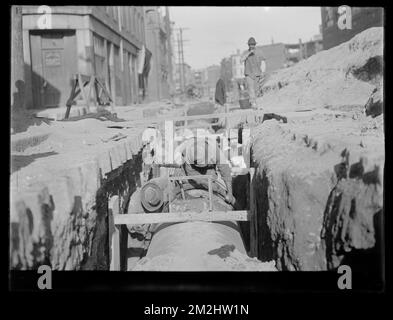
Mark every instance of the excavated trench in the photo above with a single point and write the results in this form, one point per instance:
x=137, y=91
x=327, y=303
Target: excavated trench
x=282, y=235
x=290, y=215
x=150, y=247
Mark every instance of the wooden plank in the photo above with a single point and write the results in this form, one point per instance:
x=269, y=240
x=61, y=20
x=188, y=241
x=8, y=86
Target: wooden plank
x=114, y=234
x=206, y=176
x=235, y=171
x=226, y=117
x=197, y=125
x=195, y=117
x=80, y=85
x=149, y=218
x=210, y=194
x=91, y=85
x=253, y=218
x=186, y=121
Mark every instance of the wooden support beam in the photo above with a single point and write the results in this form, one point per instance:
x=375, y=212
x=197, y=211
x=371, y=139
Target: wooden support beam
x=82, y=89
x=206, y=176
x=253, y=218
x=235, y=171
x=210, y=194
x=195, y=117
x=114, y=233
x=149, y=218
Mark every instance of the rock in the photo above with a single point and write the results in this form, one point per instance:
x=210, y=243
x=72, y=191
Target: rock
x=374, y=105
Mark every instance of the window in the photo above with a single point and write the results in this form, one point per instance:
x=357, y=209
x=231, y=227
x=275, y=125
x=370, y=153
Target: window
x=115, y=13
x=100, y=61
x=129, y=18
x=137, y=26
x=117, y=71
x=134, y=22
x=142, y=28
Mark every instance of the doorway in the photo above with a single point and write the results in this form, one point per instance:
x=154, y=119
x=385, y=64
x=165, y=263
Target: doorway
x=53, y=63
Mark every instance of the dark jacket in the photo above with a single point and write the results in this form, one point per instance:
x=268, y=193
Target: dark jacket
x=220, y=96
x=252, y=66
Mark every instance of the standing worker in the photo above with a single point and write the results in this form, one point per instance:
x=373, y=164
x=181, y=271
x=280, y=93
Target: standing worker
x=200, y=156
x=252, y=69
x=220, y=94
x=220, y=99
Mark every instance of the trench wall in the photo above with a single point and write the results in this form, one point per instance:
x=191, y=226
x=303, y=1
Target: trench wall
x=318, y=200
x=62, y=218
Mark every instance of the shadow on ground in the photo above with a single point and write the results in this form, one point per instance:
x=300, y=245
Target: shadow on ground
x=20, y=161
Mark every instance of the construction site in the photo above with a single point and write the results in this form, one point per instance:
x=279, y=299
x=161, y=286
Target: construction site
x=96, y=188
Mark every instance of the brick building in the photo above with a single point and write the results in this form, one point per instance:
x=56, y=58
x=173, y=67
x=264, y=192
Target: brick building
x=100, y=40
x=362, y=19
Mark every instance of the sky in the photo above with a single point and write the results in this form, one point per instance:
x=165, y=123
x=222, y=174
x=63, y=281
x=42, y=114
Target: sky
x=216, y=32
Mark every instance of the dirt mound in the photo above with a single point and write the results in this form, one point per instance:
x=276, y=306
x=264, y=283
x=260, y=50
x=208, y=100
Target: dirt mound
x=343, y=76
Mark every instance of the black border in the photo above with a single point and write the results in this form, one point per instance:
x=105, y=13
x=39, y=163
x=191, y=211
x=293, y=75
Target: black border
x=218, y=284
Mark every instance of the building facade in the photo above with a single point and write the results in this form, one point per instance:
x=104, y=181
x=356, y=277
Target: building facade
x=302, y=50
x=185, y=70
x=158, y=41
x=362, y=19
x=212, y=76
x=226, y=73
x=90, y=40
x=200, y=81
x=237, y=66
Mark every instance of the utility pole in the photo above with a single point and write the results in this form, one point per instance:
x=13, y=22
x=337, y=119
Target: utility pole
x=17, y=61
x=180, y=46
x=182, y=60
x=169, y=43
x=179, y=49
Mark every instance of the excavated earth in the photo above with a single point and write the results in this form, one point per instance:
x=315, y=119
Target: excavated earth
x=319, y=178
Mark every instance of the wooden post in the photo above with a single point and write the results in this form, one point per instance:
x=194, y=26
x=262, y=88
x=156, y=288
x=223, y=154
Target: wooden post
x=185, y=121
x=169, y=203
x=253, y=218
x=82, y=89
x=17, y=61
x=70, y=100
x=114, y=234
x=210, y=194
x=226, y=117
x=91, y=85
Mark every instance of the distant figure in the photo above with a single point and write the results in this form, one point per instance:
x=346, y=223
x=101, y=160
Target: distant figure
x=252, y=69
x=220, y=95
x=220, y=99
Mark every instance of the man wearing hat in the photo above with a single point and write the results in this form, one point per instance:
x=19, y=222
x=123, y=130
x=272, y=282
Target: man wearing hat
x=252, y=69
x=201, y=156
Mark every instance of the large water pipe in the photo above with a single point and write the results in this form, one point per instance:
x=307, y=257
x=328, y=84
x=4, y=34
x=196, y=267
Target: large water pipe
x=186, y=246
